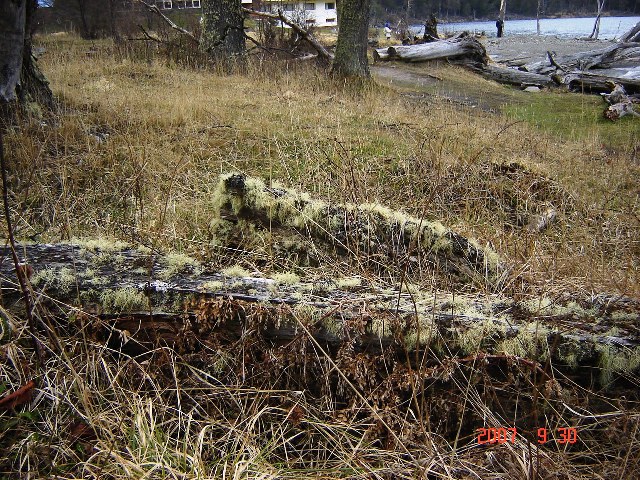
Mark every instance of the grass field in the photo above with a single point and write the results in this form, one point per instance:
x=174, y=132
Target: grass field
x=135, y=154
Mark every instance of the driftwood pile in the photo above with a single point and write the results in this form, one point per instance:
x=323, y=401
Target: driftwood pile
x=598, y=70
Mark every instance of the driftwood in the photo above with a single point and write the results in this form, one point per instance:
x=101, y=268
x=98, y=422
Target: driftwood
x=620, y=104
x=618, y=55
x=460, y=49
x=510, y=76
x=633, y=35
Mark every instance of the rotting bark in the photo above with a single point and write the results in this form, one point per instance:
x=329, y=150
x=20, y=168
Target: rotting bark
x=139, y=300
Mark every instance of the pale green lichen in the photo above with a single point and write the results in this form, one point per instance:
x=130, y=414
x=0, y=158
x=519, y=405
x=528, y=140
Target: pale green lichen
x=176, y=263
x=212, y=285
x=123, y=300
x=235, y=271
x=614, y=359
x=61, y=279
x=290, y=208
x=471, y=339
x=348, y=282
x=99, y=244
x=530, y=342
x=144, y=250
x=422, y=334
x=286, y=278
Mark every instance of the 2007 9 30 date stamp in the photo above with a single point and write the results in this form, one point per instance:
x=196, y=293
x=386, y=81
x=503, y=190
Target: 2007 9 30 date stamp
x=563, y=435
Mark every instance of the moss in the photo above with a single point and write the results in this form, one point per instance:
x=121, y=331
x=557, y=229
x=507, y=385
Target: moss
x=123, y=300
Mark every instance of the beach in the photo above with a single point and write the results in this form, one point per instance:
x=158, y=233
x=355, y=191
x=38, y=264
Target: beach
x=534, y=47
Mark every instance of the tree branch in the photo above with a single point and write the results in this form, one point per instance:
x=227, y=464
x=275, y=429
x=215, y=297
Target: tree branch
x=322, y=51
x=168, y=21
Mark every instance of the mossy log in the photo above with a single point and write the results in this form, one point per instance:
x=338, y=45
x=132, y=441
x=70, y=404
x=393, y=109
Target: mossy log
x=460, y=49
x=376, y=235
x=136, y=300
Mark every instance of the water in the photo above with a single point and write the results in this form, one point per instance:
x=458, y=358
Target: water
x=610, y=27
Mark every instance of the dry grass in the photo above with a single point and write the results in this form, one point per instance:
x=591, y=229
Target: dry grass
x=135, y=154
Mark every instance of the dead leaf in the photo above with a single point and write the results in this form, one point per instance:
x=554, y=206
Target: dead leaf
x=19, y=397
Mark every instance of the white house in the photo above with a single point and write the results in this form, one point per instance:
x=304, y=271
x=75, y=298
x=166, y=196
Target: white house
x=317, y=13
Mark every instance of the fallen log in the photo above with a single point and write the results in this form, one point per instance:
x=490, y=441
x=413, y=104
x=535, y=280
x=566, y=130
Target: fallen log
x=510, y=76
x=370, y=234
x=594, y=82
x=136, y=300
x=460, y=49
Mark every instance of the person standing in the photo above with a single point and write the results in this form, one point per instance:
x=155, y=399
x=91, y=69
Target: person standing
x=387, y=31
x=500, y=27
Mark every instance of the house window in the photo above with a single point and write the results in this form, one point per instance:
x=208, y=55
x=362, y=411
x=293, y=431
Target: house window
x=329, y=6
x=196, y=3
x=309, y=6
x=331, y=20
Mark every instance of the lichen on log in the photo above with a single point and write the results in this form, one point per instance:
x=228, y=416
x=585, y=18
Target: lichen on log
x=371, y=233
x=137, y=300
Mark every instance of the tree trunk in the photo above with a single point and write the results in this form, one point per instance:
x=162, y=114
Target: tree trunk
x=223, y=37
x=20, y=77
x=501, y=17
x=12, y=36
x=351, y=49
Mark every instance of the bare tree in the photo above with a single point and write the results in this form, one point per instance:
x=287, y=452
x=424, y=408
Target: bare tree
x=351, y=49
